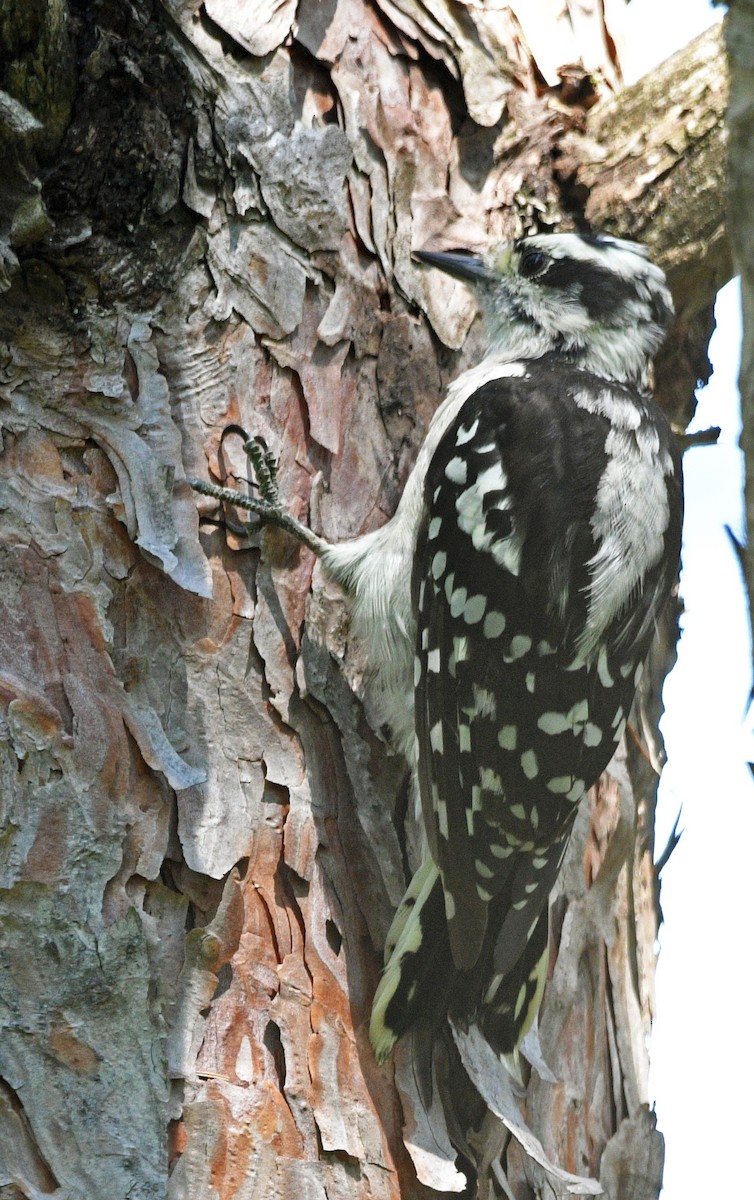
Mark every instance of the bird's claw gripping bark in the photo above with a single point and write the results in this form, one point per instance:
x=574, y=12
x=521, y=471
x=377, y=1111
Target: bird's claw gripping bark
x=266, y=506
x=265, y=469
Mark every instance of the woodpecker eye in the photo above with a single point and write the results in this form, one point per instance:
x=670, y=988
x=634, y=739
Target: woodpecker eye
x=533, y=263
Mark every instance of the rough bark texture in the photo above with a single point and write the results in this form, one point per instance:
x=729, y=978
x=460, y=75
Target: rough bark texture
x=206, y=217
x=740, y=43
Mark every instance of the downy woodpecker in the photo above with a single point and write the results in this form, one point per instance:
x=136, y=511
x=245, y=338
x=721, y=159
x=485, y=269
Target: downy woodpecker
x=507, y=608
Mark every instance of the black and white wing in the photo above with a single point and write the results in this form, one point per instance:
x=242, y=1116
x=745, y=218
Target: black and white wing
x=530, y=630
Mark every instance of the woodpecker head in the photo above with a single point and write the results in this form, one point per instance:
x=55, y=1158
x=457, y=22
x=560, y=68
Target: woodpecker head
x=598, y=301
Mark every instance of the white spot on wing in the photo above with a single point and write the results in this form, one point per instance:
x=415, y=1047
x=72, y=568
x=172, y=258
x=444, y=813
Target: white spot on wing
x=492, y=990
x=507, y=737
x=458, y=601
x=439, y=563
x=490, y=781
x=521, y=997
x=560, y=784
x=603, y=671
x=456, y=470
x=485, y=704
x=507, y=553
x=529, y=764
x=494, y=624
x=441, y=810
x=473, y=610
x=519, y=646
x=466, y=434
x=472, y=518
x=553, y=723
x=460, y=649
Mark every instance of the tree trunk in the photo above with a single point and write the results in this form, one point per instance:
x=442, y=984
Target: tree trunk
x=207, y=217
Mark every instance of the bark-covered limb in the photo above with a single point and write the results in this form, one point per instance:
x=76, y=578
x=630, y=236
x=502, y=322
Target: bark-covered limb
x=653, y=166
x=659, y=159
x=700, y=437
x=740, y=42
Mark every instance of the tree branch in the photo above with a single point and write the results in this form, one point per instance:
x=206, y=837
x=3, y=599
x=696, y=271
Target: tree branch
x=655, y=173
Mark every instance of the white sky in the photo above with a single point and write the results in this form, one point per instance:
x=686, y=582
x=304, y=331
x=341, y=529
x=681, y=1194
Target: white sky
x=702, y=1047
x=657, y=28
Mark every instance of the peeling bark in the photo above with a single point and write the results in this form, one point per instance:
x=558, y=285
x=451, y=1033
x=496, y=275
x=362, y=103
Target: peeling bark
x=207, y=217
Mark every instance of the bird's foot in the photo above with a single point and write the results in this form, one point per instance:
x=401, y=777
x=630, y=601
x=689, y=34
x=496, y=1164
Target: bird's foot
x=266, y=506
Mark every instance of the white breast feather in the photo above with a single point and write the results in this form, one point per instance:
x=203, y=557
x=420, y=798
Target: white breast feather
x=629, y=523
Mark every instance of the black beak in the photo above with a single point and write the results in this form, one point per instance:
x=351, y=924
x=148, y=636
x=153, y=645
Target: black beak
x=458, y=263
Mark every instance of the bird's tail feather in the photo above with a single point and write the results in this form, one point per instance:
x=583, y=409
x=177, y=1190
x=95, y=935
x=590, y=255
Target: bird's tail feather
x=420, y=984
x=416, y=948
